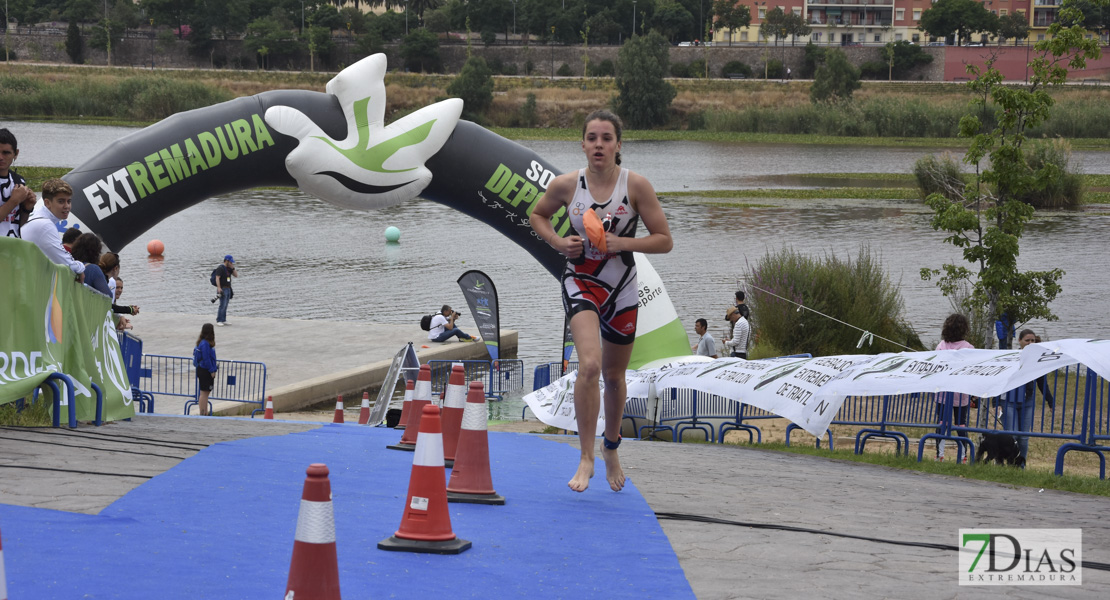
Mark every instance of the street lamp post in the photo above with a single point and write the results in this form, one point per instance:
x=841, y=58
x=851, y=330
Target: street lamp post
x=302, y=17
x=633, y=17
x=6, y=26
x=514, y=17
x=152, y=44
x=406, y=18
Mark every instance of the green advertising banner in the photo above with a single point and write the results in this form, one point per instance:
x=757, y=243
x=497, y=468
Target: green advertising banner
x=54, y=324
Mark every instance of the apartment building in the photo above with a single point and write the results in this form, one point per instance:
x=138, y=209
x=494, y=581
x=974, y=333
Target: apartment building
x=851, y=22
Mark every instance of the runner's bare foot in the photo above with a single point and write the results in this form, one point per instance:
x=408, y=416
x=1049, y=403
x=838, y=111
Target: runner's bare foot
x=581, y=479
x=613, y=471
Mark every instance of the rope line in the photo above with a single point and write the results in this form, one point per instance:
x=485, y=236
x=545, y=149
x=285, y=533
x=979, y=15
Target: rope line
x=867, y=335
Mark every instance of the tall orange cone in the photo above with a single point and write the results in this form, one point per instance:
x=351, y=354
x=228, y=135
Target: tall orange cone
x=426, y=522
x=364, y=412
x=338, y=410
x=269, y=414
x=403, y=422
x=314, y=569
x=421, y=397
x=3, y=576
x=471, y=481
x=454, y=401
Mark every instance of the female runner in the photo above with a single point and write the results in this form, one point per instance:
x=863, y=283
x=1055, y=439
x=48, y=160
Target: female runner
x=600, y=292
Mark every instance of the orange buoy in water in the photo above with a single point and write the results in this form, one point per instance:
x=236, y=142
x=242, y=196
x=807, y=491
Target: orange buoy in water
x=155, y=247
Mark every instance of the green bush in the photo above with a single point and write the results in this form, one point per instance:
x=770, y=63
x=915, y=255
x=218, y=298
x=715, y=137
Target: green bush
x=854, y=290
x=7, y=53
x=528, y=116
x=874, y=69
x=735, y=67
x=679, y=70
x=939, y=176
x=643, y=97
x=697, y=68
x=835, y=80
x=529, y=67
x=564, y=71
x=604, y=69
x=1064, y=187
x=815, y=57
x=474, y=85
x=489, y=37
x=773, y=69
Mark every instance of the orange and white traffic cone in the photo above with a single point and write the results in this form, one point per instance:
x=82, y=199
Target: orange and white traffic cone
x=3, y=576
x=471, y=481
x=269, y=414
x=403, y=422
x=421, y=397
x=314, y=569
x=338, y=410
x=364, y=412
x=426, y=522
x=454, y=401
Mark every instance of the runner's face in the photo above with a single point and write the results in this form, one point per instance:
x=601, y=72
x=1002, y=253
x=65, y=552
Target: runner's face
x=600, y=144
x=1026, y=340
x=7, y=157
x=59, y=206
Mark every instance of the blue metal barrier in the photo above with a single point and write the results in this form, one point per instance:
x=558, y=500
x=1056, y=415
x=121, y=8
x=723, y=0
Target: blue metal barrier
x=506, y=376
x=235, y=381
x=131, y=348
x=544, y=374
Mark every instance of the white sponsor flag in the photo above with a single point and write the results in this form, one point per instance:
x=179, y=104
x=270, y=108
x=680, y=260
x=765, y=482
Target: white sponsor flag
x=810, y=391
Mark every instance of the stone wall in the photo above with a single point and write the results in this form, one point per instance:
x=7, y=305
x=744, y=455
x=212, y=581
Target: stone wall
x=138, y=52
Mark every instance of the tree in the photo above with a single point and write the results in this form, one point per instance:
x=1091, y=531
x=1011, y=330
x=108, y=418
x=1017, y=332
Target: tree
x=420, y=49
x=835, y=80
x=774, y=24
x=1013, y=26
x=731, y=16
x=1095, y=15
x=84, y=11
x=987, y=219
x=957, y=17
x=174, y=13
x=796, y=26
x=271, y=37
x=474, y=86
x=75, y=46
x=643, y=97
x=902, y=56
x=319, y=42
x=671, y=18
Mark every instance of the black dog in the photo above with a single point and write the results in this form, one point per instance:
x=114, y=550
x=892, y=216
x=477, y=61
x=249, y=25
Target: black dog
x=1001, y=448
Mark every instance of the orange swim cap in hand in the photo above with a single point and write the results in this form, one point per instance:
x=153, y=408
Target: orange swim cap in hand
x=595, y=229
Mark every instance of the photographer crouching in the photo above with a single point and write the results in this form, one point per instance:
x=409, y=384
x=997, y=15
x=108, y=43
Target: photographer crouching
x=443, y=327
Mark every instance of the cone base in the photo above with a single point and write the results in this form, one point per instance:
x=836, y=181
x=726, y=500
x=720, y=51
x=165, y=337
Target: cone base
x=396, y=544
x=401, y=427
x=464, y=498
x=405, y=447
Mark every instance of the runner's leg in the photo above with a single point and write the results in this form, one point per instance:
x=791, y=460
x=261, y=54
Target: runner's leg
x=584, y=328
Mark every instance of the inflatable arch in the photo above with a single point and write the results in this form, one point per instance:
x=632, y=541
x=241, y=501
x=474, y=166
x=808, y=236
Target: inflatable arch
x=336, y=146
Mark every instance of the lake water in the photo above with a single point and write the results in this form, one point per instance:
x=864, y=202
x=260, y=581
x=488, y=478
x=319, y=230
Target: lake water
x=301, y=258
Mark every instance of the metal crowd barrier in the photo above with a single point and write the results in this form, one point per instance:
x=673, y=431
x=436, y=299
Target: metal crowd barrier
x=500, y=378
x=544, y=374
x=1078, y=414
x=236, y=381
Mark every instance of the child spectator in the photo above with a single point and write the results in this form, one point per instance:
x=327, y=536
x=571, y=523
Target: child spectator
x=952, y=338
x=204, y=359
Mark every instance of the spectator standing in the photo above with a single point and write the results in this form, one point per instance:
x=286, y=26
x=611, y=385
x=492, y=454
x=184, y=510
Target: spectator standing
x=443, y=327
x=204, y=359
x=952, y=336
x=16, y=199
x=707, y=346
x=745, y=310
x=223, y=274
x=41, y=227
x=737, y=345
x=1018, y=413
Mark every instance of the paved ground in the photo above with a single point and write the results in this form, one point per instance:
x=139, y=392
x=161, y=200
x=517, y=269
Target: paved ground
x=294, y=351
x=86, y=469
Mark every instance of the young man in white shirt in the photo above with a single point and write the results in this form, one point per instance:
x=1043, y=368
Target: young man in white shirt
x=42, y=226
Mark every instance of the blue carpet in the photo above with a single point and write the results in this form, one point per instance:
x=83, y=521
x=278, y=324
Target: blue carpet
x=221, y=525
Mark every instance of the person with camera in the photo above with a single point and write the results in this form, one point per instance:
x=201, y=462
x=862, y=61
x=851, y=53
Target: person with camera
x=222, y=279
x=443, y=327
